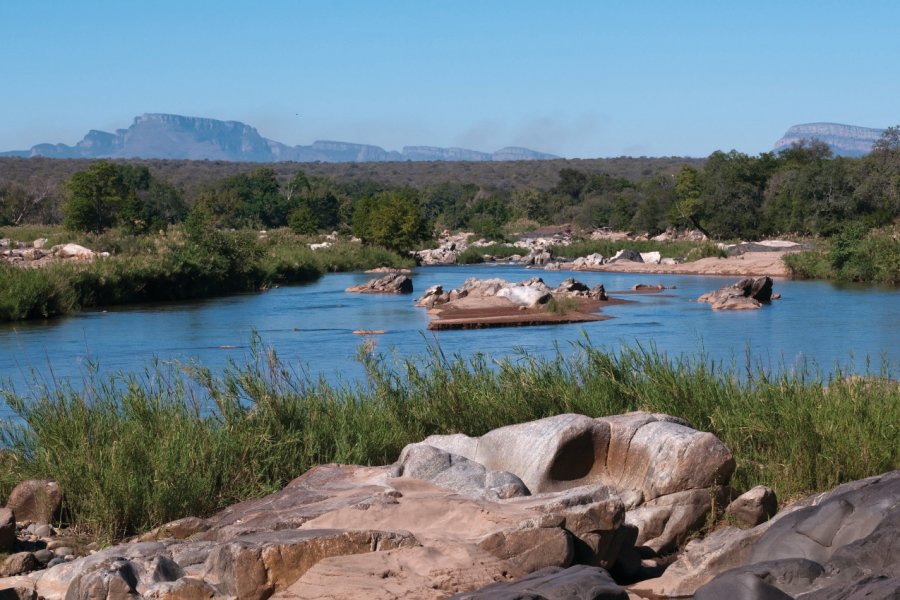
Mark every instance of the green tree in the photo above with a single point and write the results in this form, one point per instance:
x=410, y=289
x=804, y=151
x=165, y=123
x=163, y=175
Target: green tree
x=95, y=197
x=394, y=220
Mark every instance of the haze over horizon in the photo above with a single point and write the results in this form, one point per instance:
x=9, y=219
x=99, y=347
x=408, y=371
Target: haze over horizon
x=582, y=81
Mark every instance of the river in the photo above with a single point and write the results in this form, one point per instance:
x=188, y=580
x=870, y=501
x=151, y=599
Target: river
x=815, y=324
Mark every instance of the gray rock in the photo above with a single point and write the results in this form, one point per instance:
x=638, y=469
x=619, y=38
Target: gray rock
x=44, y=556
x=580, y=582
x=844, y=543
x=42, y=530
x=457, y=473
x=753, y=507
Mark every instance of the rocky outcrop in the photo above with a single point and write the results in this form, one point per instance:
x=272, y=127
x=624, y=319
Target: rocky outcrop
x=745, y=294
x=392, y=283
x=667, y=475
x=841, y=544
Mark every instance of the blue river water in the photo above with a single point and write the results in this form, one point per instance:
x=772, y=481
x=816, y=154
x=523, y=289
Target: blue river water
x=815, y=324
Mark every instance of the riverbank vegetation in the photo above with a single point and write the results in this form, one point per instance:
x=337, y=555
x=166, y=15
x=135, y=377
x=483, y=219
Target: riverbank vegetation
x=137, y=450
x=853, y=255
x=194, y=260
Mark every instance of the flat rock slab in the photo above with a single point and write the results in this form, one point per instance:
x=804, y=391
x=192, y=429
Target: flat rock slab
x=484, y=312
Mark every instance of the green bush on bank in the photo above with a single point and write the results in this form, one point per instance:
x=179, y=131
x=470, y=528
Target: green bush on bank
x=134, y=451
x=177, y=265
x=853, y=255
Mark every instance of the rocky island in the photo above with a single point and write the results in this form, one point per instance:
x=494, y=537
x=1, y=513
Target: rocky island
x=483, y=303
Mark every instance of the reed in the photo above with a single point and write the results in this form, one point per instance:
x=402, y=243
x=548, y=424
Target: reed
x=133, y=451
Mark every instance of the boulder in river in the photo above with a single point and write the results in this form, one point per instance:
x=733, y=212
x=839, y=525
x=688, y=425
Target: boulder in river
x=392, y=283
x=747, y=293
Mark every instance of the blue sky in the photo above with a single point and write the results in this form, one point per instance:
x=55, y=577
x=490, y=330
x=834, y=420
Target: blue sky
x=578, y=79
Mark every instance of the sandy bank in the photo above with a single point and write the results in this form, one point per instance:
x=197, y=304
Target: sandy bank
x=753, y=264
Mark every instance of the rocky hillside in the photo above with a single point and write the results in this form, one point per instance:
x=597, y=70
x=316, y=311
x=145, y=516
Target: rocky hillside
x=844, y=140
x=177, y=137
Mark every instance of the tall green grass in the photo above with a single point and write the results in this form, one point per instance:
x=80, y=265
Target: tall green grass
x=134, y=451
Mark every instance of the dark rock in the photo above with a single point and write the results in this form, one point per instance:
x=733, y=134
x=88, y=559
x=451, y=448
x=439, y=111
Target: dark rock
x=7, y=529
x=580, y=582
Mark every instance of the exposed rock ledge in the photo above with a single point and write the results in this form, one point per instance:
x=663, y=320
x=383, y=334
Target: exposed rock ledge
x=569, y=499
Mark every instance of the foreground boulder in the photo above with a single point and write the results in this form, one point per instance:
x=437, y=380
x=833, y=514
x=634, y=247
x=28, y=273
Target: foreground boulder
x=841, y=544
x=392, y=283
x=664, y=472
x=747, y=293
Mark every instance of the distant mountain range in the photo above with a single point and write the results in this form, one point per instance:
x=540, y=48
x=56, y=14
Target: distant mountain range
x=194, y=138
x=844, y=140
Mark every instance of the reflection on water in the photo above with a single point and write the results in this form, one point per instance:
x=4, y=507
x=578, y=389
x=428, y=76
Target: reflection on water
x=814, y=324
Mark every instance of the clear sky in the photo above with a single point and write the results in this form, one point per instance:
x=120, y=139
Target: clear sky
x=578, y=79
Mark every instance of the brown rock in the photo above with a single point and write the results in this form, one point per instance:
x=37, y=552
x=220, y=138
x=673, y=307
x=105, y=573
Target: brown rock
x=36, y=500
x=18, y=563
x=756, y=506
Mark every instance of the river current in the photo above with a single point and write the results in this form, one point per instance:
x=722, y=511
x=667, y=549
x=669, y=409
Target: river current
x=815, y=324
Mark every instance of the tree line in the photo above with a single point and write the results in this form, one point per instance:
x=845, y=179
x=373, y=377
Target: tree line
x=801, y=190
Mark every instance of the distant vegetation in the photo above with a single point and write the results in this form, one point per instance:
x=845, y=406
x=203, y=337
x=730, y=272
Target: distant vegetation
x=801, y=191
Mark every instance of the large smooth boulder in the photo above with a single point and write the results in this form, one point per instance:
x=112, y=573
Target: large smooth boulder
x=841, y=544
x=36, y=500
x=668, y=475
